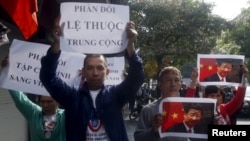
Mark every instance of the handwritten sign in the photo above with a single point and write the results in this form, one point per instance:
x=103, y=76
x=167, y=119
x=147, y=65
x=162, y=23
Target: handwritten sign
x=23, y=70
x=94, y=27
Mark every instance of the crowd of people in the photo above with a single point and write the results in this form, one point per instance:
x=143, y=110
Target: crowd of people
x=94, y=111
x=169, y=83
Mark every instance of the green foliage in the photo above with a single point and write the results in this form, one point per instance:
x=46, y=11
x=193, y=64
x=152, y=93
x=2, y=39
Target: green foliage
x=225, y=45
x=240, y=32
x=175, y=30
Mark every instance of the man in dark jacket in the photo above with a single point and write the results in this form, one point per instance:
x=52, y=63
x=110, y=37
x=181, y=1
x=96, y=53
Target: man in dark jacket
x=93, y=112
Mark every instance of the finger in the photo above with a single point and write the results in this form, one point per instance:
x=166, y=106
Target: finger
x=5, y=62
x=130, y=25
x=158, y=118
x=57, y=21
x=62, y=29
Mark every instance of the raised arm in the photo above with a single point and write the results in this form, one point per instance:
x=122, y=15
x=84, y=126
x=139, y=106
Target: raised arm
x=236, y=102
x=194, y=77
x=56, y=87
x=22, y=102
x=56, y=33
x=131, y=35
x=192, y=87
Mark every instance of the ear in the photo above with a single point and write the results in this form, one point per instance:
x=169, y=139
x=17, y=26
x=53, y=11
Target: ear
x=107, y=71
x=81, y=72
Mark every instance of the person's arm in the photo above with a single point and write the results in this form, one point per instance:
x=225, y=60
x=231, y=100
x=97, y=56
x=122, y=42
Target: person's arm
x=237, y=100
x=57, y=88
x=191, y=90
x=24, y=104
x=135, y=78
x=144, y=130
x=56, y=33
x=131, y=35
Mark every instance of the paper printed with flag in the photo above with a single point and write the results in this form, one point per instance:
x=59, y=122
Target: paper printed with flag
x=23, y=13
x=172, y=109
x=172, y=113
x=207, y=65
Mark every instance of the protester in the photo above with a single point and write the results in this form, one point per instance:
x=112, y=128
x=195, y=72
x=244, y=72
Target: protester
x=93, y=112
x=169, y=83
x=225, y=110
x=46, y=121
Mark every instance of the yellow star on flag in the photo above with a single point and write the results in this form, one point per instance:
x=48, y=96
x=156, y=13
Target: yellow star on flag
x=164, y=113
x=174, y=115
x=201, y=65
x=210, y=67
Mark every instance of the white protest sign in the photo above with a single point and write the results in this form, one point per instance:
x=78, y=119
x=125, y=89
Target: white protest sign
x=23, y=70
x=94, y=27
x=116, y=70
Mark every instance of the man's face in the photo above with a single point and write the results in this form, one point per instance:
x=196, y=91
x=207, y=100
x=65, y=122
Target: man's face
x=170, y=85
x=95, y=71
x=49, y=105
x=192, y=117
x=224, y=69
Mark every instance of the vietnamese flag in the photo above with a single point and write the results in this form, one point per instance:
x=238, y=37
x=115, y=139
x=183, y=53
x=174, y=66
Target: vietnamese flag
x=208, y=66
x=23, y=13
x=172, y=113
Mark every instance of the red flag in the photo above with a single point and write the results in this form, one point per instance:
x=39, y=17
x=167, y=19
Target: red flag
x=23, y=13
x=172, y=113
x=208, y=66
x=50, y=9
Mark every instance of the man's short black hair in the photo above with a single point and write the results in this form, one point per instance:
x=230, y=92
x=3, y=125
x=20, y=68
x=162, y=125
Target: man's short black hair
x=196, y=106
x=224, y=60
x=210, y=89
x=93, y=55
x=229, y=61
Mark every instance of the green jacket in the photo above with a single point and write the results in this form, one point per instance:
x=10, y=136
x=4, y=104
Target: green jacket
x=33, y=113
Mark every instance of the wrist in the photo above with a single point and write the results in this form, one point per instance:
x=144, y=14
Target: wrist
x=193, y=83
x=244, y=82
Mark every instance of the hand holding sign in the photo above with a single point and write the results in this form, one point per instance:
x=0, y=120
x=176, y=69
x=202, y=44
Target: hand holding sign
x=57, y=31
x=5, y=62
x=131, y=35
